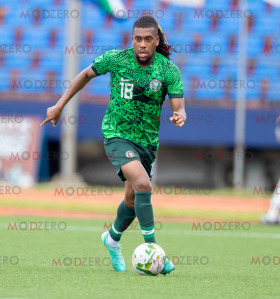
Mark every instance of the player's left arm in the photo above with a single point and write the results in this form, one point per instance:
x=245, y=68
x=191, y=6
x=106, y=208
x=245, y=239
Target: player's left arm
x=176, y=94
x=179, y=114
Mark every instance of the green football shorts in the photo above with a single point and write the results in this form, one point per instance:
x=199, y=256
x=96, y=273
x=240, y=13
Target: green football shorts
x=121, y=151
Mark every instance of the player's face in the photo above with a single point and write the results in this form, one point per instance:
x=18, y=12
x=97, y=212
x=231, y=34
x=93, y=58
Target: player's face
x=145, y=41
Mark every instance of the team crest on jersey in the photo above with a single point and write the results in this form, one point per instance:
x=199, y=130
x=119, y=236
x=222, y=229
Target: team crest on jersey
x=130, y=154
x=155, y=85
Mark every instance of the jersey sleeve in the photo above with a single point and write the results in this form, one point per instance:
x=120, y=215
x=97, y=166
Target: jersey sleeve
x=175, y=87
x=103, y=64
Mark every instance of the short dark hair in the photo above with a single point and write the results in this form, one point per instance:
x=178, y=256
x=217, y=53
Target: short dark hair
x=149, y=22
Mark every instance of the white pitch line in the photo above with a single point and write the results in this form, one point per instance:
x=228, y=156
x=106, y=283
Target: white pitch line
x=170, y=232
x=188, y=233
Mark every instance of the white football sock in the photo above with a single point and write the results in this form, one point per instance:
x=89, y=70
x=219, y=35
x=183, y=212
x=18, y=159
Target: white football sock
x=272, y=213
x=112, y=242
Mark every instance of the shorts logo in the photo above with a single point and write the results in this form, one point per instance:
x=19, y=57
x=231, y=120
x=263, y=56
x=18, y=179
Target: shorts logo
x=152, y=169
x=130, y=154
x=155, y=85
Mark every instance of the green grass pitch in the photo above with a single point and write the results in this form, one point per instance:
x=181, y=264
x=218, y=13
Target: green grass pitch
x=223, y=267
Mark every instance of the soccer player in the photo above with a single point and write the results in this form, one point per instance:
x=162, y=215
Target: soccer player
x=272, y=216
x=141, y=77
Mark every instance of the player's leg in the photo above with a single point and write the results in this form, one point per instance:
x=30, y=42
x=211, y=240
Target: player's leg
x=136, y=174
x=272, y=216
x=129, y=196
x=125, y=216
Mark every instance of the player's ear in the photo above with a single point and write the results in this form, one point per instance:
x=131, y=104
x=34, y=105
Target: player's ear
x=157, y=41
x=132, y=40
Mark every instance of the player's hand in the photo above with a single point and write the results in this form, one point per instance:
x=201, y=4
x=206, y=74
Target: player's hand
x=53, y=115
x=178, y=119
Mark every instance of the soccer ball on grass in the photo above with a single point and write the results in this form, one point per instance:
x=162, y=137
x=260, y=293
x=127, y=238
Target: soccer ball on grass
x=148, y=259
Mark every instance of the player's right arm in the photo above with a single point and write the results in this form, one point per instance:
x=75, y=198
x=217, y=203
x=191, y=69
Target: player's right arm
x=54, y=112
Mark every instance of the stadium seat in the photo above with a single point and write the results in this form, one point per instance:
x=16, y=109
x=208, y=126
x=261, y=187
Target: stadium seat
x=183, y=27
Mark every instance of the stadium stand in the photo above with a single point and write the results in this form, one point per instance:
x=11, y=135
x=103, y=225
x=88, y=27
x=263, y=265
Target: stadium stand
x=207, y=45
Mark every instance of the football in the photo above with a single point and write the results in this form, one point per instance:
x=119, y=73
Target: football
x=148, y=259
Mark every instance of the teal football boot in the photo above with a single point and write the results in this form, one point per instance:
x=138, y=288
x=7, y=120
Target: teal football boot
x=117, y=260
x=168, y=267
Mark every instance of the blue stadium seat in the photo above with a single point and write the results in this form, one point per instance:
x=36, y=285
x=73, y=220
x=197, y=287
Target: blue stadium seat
x=110, y=34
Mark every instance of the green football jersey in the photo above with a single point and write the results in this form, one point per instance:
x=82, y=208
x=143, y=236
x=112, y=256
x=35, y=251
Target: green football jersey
x=137, y=95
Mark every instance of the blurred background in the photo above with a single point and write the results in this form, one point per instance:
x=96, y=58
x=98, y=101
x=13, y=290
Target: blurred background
x=227, y=51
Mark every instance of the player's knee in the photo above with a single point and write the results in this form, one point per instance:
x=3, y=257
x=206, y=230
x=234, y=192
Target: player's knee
x=143, y=185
